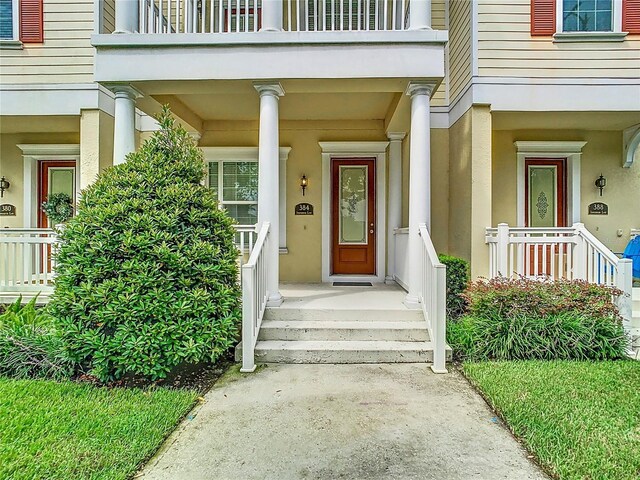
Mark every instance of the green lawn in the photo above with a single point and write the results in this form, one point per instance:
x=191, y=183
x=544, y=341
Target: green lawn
x=68, y=431
x=580, y=419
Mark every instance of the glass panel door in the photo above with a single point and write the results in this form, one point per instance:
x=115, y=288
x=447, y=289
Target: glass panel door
x=353, y=204
x=543, y=195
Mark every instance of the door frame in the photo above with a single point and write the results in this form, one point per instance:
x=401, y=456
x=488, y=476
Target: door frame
x=561, y=194
x=572, y=152
x=31, y=154
x=44, y=182
x=355, y=151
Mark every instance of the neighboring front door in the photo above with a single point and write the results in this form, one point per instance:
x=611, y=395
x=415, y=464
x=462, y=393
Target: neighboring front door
x=545, y=205
x=54, y=176
x=353, y=216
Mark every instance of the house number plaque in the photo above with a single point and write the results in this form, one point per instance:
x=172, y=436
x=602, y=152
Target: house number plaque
x=598, y=208
x=304, y=209
x=7, y=210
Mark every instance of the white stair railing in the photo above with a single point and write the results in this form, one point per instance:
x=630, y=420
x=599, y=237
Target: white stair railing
x=254, y=297
x=434, y=299
x=571, y=253
x=26, y=261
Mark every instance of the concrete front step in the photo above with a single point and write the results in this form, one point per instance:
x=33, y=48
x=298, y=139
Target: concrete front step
x=341, y=315
x=338, y=330
x=276, y=351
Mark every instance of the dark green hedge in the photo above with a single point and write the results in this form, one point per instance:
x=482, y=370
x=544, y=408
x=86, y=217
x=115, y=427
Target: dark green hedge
x=457, y=282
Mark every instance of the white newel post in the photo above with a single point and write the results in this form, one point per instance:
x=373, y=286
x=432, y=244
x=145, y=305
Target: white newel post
x=625, y=283
x=420, y=15
x=394, y=213
x=503, y=250
x=419, y=183
x=126, y=16
x=124, y=129
x=268, y=181
x=271, y=16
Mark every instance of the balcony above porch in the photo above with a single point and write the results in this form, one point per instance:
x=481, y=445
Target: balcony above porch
x=266, y=39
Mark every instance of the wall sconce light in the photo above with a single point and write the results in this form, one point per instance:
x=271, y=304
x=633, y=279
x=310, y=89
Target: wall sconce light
x=304, y=182
x=4, y=185
x=601, y=182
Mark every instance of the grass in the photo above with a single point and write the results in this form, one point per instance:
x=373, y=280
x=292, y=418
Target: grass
x=581, y=420
x=66, y=430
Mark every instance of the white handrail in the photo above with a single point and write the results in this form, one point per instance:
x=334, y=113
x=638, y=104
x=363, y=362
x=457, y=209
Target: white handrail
x=434, y=299
x=254, y=297
x=571, y=253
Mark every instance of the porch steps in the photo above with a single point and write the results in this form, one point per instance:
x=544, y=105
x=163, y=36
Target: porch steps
x=310, y=335
x=351, y=351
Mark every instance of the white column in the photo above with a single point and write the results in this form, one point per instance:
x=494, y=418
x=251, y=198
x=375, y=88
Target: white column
x=394, y=215
x=269, y=181
x=271, y=16
x=126, y=16
x=124, y=130
x=420, y=15
x=419, y=183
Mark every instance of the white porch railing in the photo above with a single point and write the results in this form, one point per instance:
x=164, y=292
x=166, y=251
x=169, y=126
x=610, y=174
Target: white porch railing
x=401, y=252
x=433, y=297
x=244, y=240
x=254, y=297
x=245, y=16
x=563, y=252
x=26, y=262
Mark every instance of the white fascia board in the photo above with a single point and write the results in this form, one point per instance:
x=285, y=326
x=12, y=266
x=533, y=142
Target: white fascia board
x=239, y=154
x=265, y=39
x=54, y=99
x=148, y=63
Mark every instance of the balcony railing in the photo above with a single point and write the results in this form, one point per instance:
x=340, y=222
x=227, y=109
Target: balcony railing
x=252, y=16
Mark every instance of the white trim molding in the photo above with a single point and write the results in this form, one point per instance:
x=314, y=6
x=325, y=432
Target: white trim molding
x=630, y=144
x=572, y=151
x=250, y=154
x=355, y=150
x=31, y=153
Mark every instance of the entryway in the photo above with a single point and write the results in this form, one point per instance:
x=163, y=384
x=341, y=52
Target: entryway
x=54, y=176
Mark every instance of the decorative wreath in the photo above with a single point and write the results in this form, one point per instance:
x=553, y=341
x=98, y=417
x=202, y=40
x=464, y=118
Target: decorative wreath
x=58, y=208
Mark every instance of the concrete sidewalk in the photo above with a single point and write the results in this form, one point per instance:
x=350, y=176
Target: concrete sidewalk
x=354, y=422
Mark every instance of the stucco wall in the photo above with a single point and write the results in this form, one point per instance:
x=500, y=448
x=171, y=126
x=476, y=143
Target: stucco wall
x=304, y=233
x=11, y=166
x=601, y=155
x=470, y=187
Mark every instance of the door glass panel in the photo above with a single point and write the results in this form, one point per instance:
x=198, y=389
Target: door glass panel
x=542, y=196
x=353, y=204
x=61, y=181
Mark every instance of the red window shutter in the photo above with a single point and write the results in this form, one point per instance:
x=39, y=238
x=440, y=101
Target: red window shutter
x=31, y=21
x=631, y=16
x=543, y=17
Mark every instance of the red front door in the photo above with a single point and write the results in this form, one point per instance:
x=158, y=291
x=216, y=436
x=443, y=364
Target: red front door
x=353, y=227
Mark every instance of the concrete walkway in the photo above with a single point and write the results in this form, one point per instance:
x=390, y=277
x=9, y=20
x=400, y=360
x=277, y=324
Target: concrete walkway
x=352, y=422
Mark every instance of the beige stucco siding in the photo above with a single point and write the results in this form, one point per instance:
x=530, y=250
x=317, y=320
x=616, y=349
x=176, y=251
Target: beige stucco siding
x=66, y=56
x=459, y=72
x=601, y=155
x=506, y=48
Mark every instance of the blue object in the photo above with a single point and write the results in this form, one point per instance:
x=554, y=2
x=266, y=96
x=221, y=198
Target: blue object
x=633, y=252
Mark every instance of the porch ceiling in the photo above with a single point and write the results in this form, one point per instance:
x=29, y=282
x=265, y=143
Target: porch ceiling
x=295, y=106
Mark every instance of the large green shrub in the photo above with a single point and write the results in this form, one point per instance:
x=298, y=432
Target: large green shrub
x=457, y=283
x=146, y=273
x=514, y=319
x=29, y=344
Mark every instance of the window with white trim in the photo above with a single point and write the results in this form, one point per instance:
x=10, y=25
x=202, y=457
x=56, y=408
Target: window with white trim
x=235, y=182
x=587, y=15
